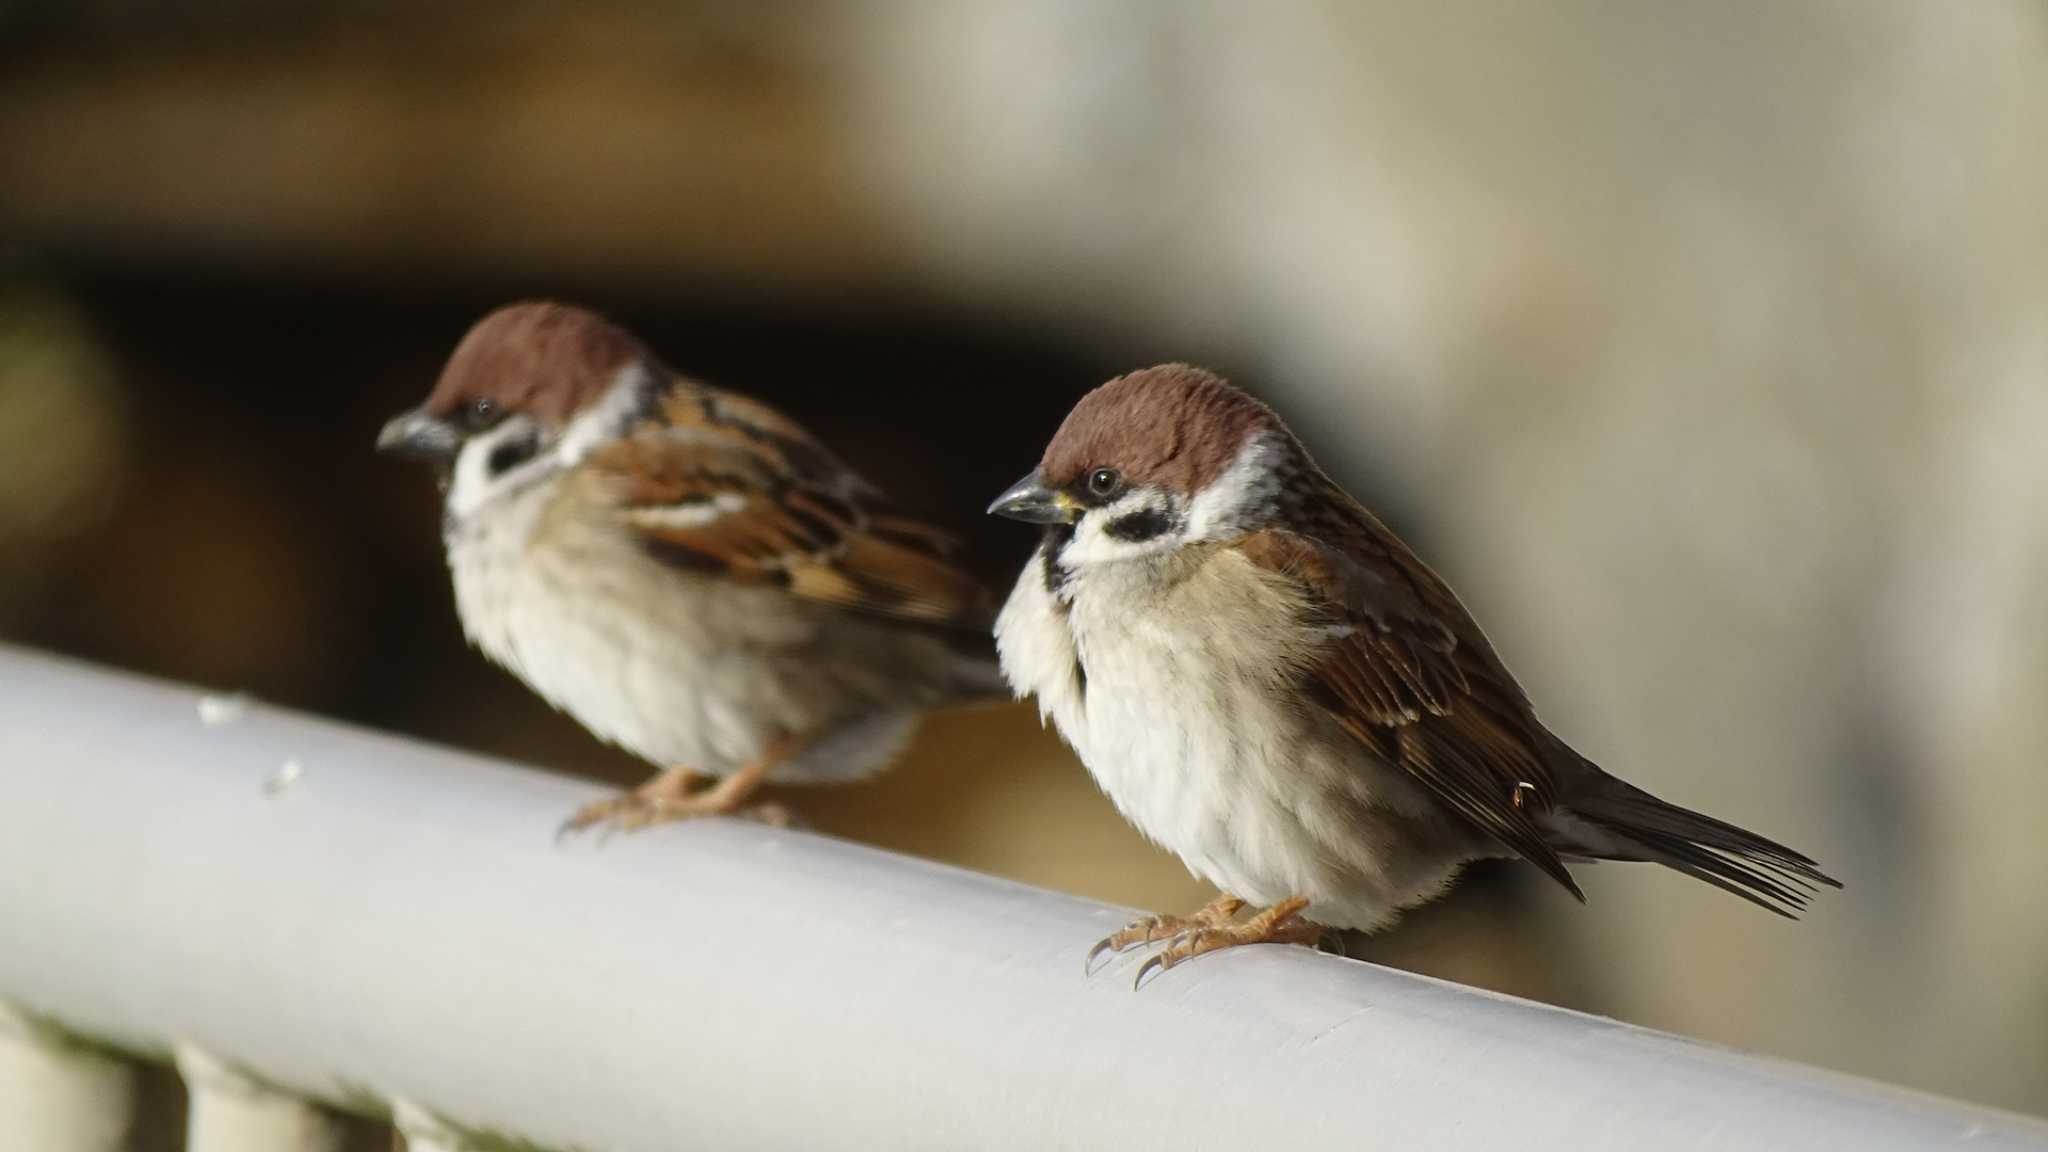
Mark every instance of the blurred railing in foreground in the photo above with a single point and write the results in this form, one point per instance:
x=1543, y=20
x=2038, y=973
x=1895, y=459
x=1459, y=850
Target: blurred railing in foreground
x=306, y=916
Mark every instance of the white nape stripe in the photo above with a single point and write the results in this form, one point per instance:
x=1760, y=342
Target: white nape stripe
x=621, y=405
x=1249, y=481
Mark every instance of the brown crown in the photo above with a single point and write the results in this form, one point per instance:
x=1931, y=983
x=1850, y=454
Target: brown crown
x=545, y=359
x=1174, y=427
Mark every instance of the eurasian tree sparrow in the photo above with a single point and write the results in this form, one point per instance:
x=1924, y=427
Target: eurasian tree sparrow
x=1269, y=684
x=685, y=571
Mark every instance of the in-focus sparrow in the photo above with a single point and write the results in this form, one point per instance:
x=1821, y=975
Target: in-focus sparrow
x=1269, y=684
x=685, y=571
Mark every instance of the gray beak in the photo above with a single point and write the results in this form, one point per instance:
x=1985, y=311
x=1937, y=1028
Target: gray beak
x=418, y=436
x=1030, y=501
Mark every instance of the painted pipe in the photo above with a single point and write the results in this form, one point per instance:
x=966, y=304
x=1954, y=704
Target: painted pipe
x=361, y=919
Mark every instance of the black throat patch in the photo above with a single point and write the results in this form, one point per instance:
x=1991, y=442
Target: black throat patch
x=1054, y=574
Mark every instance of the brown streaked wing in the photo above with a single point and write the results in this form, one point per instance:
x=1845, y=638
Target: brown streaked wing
x=1407, y=673
x=747, y=421
x=731, y=487
x=772, y=434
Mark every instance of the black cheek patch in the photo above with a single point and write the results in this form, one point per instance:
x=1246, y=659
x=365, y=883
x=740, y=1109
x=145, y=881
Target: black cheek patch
x=1137, y=526
x=511, y=454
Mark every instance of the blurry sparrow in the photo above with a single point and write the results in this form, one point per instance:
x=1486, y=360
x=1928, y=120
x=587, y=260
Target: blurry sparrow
x=1269, y=684
x=683, y=570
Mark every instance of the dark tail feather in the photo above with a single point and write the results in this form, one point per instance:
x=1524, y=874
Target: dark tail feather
x=1642, y=827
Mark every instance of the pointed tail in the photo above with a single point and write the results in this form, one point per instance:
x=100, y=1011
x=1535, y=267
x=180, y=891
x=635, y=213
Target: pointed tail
x=1613, y=820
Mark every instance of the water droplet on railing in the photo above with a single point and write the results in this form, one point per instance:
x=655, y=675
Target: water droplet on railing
x=287, y=774
x=217, y=710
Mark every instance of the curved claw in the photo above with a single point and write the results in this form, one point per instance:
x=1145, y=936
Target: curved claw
x=597, y=812
x=1101, y=946
x=1152, y=929
x=1156, y=961
x=1279, y=924
x=1136, y=932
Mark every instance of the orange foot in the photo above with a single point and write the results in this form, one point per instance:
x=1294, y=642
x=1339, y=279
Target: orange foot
x=1212, y=929
x=674, y=795
x=1215, y=914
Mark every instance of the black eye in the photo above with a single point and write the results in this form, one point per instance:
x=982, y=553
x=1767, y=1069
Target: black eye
x=482, y=412
x=1104, y=482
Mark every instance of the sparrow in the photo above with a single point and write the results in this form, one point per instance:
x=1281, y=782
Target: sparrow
x=684, y=570
x=1269, y=684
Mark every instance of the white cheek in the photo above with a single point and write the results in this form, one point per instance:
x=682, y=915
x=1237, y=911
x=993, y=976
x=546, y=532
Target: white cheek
x=1092, y=543
x=473, y=486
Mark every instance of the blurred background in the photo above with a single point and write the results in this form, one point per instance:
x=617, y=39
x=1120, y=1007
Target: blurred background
x=1704, y=348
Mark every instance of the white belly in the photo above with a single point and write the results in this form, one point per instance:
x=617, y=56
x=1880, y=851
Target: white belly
x=1188, y=722
x=678, y=669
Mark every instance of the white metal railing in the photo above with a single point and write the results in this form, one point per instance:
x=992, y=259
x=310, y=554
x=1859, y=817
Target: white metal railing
x=298, y=910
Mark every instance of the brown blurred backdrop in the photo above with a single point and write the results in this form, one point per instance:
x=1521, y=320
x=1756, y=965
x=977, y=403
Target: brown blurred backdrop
x=1705, y=349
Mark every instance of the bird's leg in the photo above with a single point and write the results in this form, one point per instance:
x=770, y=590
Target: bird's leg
x=1214, y=914
x=672, y=784
x=674, y=795
x=725, y=798
x=1280, y=924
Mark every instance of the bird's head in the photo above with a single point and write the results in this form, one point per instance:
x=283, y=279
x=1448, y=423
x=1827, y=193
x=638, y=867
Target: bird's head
x=1154, y=461
x=530, y=389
